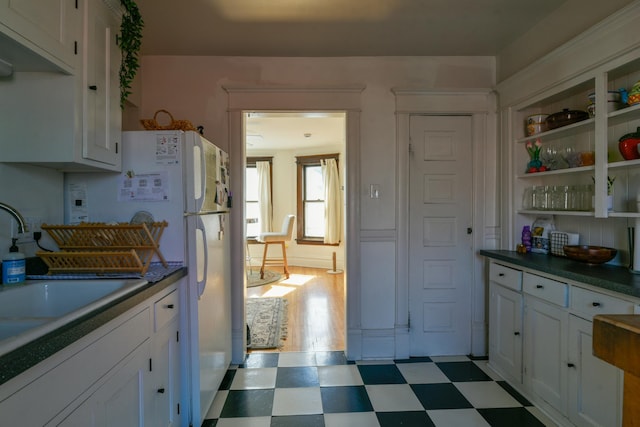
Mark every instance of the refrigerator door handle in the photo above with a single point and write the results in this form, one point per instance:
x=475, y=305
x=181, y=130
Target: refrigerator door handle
x=202, y=255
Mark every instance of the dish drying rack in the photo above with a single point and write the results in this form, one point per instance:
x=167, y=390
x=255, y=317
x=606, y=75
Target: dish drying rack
x=104, y=248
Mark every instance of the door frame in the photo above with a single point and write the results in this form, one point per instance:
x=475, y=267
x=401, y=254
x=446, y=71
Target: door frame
x=481, y=105
x=243, y=98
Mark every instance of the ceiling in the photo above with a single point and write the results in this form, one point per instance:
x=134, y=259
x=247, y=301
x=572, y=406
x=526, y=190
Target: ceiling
x=290, y=130
x=331, y=28
x=337, y=27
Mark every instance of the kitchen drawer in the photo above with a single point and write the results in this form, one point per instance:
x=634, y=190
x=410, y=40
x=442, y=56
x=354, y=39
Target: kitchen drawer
x=587, y=303
x=506, y=276
x=546, y=289
x=165, y=310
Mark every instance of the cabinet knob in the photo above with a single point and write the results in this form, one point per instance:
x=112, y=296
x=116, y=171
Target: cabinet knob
x=161, y=390
x=539, y=287
x=93, y=87
x=501, y=274
x=596, y=304
x=169, y=305
x=571, y=365
x=516, y=333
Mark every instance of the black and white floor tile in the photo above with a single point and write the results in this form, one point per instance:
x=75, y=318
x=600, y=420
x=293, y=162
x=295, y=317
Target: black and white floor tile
x=322, y=389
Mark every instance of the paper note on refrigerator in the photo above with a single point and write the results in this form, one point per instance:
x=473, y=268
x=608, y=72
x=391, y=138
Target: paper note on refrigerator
x=144, y=187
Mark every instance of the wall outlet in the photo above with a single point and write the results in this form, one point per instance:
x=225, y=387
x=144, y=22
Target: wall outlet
x=33, y=224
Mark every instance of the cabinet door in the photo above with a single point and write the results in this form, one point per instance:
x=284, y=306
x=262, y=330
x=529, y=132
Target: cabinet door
x=505, y=331
x=120, y=401
x=545, y=351
x=166, y=377
x=102, y=115
x=51, y=28
x=595, y=387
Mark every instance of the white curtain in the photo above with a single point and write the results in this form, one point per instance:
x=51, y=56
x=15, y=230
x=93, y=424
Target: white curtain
x=264, y=196
x=332, y=201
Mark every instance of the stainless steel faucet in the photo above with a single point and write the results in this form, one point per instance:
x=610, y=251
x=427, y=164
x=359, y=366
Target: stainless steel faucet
x=22, y=225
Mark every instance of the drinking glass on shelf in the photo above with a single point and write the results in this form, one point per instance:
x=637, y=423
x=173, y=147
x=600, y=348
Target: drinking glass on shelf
x=571, y=157
x=539, y=197
x=527, y=198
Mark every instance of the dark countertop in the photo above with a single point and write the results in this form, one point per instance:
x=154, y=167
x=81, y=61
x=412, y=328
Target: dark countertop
x=606, y=276
x=19, y=360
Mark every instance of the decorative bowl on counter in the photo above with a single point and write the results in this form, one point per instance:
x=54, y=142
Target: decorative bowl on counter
x=590, y=254
x=565, y=117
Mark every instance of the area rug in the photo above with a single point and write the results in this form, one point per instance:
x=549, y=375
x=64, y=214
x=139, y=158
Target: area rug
x=253, y=277
x=267, y=321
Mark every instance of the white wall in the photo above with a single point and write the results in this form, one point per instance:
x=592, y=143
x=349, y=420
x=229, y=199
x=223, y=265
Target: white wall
x=35, y=192
x=191, y=88
x=570, y=19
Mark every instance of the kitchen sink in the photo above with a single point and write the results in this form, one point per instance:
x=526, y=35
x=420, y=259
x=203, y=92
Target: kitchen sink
x=12, y=327
x=38, y=307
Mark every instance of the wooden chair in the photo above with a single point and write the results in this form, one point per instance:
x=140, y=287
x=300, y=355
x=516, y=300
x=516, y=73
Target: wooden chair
x=277, y=237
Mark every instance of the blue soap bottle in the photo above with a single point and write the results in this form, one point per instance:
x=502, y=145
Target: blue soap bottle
x=13, y=266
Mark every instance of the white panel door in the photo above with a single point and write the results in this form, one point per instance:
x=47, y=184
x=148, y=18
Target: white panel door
x=440, y=219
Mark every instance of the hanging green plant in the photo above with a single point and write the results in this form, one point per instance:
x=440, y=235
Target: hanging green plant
x=129, y=41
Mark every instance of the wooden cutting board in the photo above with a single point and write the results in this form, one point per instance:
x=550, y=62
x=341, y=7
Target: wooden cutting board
x=616, y=340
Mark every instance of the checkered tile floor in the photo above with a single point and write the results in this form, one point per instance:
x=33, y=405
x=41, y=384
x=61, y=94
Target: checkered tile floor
x=323, y=389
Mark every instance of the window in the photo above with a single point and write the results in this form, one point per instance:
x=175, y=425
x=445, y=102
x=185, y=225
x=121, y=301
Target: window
x=252, y=206
x=310, y=189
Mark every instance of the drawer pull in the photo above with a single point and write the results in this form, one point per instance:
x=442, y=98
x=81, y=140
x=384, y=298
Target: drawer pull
x=539, y=287
x=500, y=274
x=169, y=306
x=596, y=304
x=516, y=333
x=93, y=87
x=161, y=390
x=571, y=365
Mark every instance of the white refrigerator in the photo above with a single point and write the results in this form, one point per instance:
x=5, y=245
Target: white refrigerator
x=181, y=178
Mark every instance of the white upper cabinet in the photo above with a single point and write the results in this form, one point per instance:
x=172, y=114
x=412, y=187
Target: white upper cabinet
x=69, y=121
x=50, y=29
x=101, y=91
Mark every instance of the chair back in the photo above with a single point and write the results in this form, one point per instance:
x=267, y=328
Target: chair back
x=287, y=226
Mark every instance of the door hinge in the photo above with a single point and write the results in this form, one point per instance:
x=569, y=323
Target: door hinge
x=150, y=365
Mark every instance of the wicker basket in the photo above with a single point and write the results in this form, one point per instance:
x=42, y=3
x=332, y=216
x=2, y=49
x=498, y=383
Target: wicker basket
x=103, y=248
x=152, y=124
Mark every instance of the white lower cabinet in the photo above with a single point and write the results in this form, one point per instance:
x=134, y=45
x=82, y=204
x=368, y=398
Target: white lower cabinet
x=121, y=401
x=165, y=382
x=126, y=373
x=545, y=351
x=505, y=332
x=595, y=387
x=540, y=341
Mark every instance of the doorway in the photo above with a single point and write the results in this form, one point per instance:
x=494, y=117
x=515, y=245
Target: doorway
x=292, y=143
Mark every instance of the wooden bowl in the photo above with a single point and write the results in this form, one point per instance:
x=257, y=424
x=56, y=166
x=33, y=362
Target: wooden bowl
x=589, y=254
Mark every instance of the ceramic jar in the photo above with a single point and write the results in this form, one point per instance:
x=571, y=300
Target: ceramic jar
x=628, y=145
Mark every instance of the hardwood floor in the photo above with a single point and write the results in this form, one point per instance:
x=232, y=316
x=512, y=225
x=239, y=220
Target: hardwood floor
x=316, y=309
